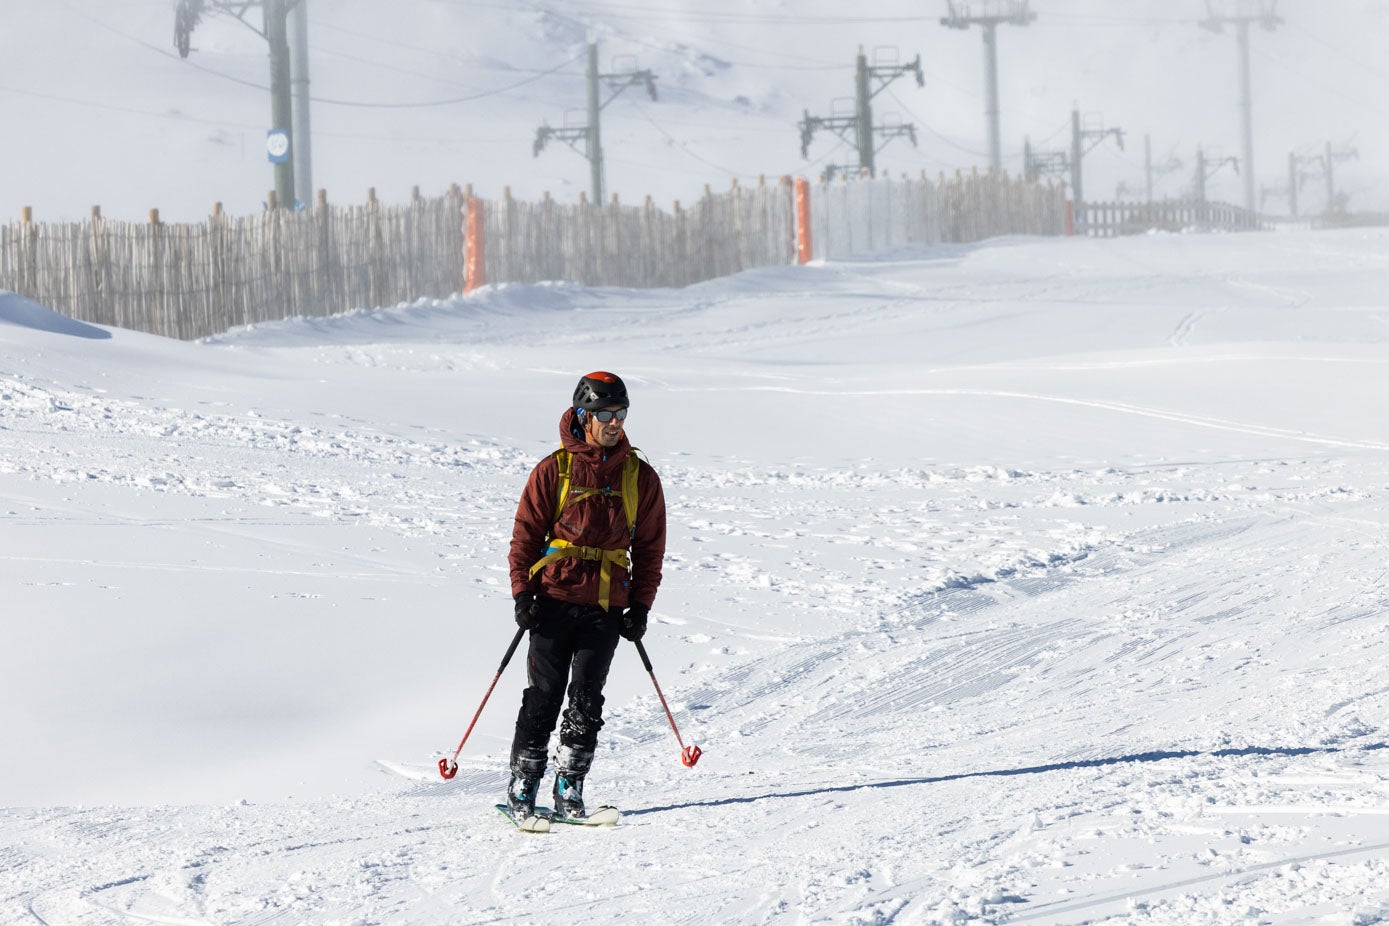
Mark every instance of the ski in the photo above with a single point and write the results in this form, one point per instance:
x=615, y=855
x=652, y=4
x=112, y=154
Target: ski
x=538, y=822
x=602, y=816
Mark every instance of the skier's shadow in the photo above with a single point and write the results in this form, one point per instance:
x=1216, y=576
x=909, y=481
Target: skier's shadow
x=1142, y=757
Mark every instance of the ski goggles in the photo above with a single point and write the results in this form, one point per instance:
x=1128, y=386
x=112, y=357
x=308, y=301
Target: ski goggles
x=606, y=416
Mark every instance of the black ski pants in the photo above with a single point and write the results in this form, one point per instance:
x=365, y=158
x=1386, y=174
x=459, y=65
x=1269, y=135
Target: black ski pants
x=573, y=646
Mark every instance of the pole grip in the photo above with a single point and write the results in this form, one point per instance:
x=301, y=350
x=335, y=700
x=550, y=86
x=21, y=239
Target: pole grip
x=645, y=659
x=511, y=650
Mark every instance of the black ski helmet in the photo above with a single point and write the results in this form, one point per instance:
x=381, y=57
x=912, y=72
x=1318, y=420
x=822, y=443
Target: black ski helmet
x=600, y=390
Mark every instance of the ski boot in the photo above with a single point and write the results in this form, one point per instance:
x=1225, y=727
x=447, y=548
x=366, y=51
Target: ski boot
x=527, y=768
x=569, y=782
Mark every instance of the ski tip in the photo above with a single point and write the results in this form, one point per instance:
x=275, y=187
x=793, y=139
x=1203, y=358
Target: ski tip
x=606, y=815
x=535, y=823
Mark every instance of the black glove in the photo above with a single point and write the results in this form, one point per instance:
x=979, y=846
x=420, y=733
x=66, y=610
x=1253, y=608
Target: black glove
x=527, y=611
x=634, y=622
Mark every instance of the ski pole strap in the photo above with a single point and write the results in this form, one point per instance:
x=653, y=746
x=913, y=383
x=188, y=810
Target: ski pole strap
x=562, y=549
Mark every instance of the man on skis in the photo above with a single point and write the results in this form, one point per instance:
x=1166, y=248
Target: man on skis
x=586, y=554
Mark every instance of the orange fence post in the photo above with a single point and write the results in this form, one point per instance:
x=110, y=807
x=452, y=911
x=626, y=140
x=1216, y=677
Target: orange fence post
x=1070, y=218
x=803, y=249
x=475, y=253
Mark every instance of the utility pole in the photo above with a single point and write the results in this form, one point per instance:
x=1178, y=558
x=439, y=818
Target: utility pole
x=591, y=133
x=863, y=108
x=1294, y=182
x=1077, y=175
x=299, y=81
x=1330, y=179
x=1207, y=168
x=1332, y=197
x=989, y=14
x=1148, y=169
x=1038, y=164
x=281, y=100
x=1242, y=14
x=1079, y=149
x=593, y=144
x=275, y=30
x=1173, y=163
x=859, y=129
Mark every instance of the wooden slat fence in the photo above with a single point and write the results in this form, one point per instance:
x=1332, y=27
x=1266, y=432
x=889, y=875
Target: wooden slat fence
x=1108, y=220
x=640, y=246
x=193, y=280
x=859, y=217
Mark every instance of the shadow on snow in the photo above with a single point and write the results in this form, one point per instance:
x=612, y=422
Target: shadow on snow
x=1142, y=757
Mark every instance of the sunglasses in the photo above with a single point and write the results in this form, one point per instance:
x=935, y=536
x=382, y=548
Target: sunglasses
x=606, y=416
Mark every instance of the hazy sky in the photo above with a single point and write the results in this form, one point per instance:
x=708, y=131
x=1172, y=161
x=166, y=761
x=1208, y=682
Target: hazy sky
x=104, y=111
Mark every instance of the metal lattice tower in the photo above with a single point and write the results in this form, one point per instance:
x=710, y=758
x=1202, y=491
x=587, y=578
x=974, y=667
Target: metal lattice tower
x=989, y=14
x=591, y=133
x=859, y=129
x=1242, y=14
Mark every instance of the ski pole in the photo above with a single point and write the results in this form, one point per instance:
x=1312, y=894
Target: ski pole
x=688, y=754
x=449, y=767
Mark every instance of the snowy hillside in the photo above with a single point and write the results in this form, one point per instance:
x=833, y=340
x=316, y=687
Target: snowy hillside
x=102, y=111
x=1034, y=581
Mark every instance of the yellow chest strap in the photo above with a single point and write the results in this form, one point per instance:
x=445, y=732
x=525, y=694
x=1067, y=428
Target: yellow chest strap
x=558, y=548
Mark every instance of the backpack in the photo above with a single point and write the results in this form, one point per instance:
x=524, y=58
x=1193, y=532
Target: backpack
x=558, y=548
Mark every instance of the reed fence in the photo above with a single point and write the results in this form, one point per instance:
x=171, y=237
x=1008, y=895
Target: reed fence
x=859, y=217
x=197, y=279
x=640, y=246
x=192, y=280
x=1108, y=220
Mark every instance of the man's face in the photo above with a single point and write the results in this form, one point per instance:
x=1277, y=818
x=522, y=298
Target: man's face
x=605, y=433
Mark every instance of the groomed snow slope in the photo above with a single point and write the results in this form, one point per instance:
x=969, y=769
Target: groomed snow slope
x=1034, y=581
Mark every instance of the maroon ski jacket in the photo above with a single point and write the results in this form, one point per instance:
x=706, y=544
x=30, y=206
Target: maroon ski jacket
x=597, y=521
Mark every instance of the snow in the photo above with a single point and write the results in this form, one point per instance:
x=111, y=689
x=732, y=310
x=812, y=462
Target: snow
x=1034, y=581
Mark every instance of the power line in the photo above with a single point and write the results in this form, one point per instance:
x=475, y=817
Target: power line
x=641, y=13
x=1291, y=67
x=618, y=117
x=953, y=144
x=160, y=51
x=131, y=111
x=1086, y=19
x=682, y=146
x=1341, y=53
x=360, y=104
x=453, y=101
x=813, y=64
x=413, y=73
x=448, y=56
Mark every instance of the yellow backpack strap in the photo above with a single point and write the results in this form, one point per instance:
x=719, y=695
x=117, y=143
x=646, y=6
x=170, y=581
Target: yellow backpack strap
x=565, y=460
x=562, y=549
x=630, y=470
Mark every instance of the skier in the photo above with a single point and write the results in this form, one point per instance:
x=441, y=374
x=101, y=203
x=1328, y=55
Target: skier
x=586, y=555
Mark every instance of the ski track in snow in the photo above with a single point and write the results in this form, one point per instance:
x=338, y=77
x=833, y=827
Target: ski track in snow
x=1140, y=692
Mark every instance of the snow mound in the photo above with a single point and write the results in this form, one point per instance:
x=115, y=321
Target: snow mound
x=25, y=313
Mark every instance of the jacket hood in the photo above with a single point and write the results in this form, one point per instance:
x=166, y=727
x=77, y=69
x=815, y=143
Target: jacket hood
x=582, y=448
